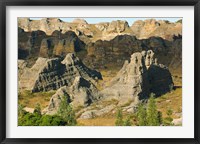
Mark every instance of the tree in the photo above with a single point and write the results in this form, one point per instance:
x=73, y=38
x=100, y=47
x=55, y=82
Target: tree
x=119, y=118
x=66, y=112
x=142, y=115
x=152, y=113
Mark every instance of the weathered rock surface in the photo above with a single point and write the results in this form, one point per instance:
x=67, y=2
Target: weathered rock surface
x=29, y=43
x=103, y=43
x=102, y=54
x=177, y=122
x=151, y=27
x=138, y=78
x=80, y=93
x=48, y=74
x=21, y=67
x=104, y=31
x=95, y=113
x=69, y=44
x=37, y=43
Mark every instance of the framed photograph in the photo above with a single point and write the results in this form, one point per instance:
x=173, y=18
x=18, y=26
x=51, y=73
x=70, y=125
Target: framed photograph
x=99, y=71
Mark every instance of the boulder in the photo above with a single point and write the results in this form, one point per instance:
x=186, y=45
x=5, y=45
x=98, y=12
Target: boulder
x=95, y=113
x=177, y=122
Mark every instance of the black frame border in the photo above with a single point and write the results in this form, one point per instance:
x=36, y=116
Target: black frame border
x=5, y=3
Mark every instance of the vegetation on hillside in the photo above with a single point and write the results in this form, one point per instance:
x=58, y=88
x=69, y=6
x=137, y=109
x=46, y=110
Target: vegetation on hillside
x=65, y=116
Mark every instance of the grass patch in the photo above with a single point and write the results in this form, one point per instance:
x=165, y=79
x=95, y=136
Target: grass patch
x=28, y=99
x=171, y=100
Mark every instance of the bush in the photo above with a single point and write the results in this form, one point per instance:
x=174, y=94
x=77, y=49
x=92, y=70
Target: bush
x=127, y=121
x=36, y=119
x=47, y=120
x=119, y=118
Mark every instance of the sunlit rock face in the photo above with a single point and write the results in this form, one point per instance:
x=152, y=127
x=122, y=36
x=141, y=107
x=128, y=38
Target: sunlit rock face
x=51, y=74
x=138, y=78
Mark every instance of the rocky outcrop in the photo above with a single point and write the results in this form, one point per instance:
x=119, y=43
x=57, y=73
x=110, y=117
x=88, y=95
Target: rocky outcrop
x=37, y=43
x=151, y=27
x=95, y=113
x=138, y=78
x=102, y=54
x=71, y=43
x=101, y=44
x=80, y=93
x=48, y=74
x=21, y=67
x=29, y=43
x=105, y=30
x=133, y=84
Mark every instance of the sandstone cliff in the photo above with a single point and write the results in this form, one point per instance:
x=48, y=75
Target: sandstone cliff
x=103, y=54
x=104, y=31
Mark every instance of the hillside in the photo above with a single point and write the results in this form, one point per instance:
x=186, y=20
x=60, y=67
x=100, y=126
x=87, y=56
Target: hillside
x=99, y=68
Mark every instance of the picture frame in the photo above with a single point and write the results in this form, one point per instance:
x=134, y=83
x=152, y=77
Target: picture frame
x=3, y=87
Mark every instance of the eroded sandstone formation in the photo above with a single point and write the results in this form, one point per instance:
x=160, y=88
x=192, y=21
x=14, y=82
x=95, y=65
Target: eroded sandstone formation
x=151, y=27
x=80, y=93
x=134, y=83
x=37, y=43
x=104, y=31
x=51, y=74
x=138, y=78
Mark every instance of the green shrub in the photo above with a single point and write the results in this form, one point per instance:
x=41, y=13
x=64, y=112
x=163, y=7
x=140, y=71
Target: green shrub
x=127, y=121
x=142, y=115
x=119, y=118
x=152, y=113
x=66, y=112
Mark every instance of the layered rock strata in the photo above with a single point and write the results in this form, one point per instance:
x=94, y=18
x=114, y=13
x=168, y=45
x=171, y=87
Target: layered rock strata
x=138, y=78
x=51, y=74
x=80, y=93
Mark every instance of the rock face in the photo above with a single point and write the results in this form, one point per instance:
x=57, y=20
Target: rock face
x=104, y=31
x=37, y=43
x=71, y=43
x=80, y=93
x=103, y=53
x=29, y=43
x=48, y=74
x=94, y=113
x=151, y=27
x=138, y=78
x=101, y=44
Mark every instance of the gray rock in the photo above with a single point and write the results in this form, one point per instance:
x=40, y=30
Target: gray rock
x=87, y=115
x=80, y=93
x=51, y=74
x=138, y=78
x=93, y=113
